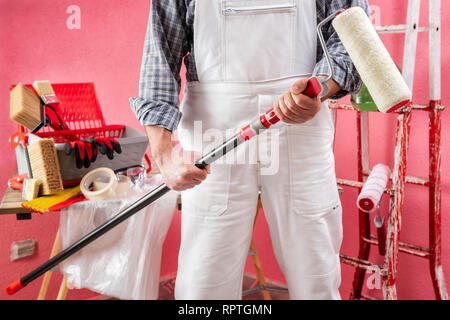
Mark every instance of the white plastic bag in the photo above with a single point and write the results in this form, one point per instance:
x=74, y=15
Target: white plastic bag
x=124, y=262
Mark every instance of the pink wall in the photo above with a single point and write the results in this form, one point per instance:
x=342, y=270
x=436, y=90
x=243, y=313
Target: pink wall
x=37, y=45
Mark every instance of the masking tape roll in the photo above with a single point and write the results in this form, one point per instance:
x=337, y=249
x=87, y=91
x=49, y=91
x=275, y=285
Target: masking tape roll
x=108, y=189
x=123, y=185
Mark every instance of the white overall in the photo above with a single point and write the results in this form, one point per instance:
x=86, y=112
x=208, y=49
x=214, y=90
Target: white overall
x=248, y=53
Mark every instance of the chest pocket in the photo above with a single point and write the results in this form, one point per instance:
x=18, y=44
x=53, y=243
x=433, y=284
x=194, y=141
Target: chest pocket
x=258, y=39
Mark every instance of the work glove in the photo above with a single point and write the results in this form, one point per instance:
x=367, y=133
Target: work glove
x=85, y=152
x=108, y=146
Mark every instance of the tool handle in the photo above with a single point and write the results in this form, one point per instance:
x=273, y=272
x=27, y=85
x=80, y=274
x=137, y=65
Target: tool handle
x=14, y=287
x=381, y=235
x=313, y=89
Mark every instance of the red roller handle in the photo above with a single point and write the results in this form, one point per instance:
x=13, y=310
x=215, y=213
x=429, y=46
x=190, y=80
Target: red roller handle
x=14, y=287
x=313, y=89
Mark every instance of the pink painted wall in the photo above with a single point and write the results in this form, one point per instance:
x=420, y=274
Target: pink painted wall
x=107, y=50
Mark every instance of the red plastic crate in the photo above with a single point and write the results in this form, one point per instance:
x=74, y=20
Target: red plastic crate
x=81, y=111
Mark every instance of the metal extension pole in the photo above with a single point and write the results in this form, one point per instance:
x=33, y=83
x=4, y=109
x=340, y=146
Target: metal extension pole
x=120, y=217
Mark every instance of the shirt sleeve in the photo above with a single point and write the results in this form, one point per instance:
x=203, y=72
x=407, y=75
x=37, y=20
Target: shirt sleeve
x=165, y=46
x=345, y=73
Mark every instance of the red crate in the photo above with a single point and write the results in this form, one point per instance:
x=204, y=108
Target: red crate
x=81, y=111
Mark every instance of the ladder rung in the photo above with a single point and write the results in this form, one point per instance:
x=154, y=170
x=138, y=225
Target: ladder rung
x=400, y=28
x=423, y=107
x=358, y=184
x=362, y=264
x=368, y=297
x=339, y=106
x=417, y=180
x=410, y=179
x=411, y=249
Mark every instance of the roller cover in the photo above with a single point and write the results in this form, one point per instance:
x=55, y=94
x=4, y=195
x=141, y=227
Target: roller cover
x=372, y=60
x=374, y=187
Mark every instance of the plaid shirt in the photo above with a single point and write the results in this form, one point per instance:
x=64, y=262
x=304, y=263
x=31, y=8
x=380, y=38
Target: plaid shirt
x=169, y=39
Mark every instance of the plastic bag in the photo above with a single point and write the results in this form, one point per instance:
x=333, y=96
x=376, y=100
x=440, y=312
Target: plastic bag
x=124, y=262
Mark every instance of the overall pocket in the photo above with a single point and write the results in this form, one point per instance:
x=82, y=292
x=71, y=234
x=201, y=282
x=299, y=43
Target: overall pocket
x=313, y=187
x=210, y=198
x=258, y=39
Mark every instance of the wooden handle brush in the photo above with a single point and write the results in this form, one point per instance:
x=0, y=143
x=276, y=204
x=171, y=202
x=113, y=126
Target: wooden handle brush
x=49, y=98
x=26, y=108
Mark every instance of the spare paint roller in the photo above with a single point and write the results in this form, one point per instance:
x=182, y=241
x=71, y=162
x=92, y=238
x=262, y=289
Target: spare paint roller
x=373, y=188
x=378, y=76
x=370, y=197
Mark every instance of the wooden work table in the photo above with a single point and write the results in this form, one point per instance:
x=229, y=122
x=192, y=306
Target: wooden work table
x=11, y=202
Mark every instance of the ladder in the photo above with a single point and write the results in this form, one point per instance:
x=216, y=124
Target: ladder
x=396, y=193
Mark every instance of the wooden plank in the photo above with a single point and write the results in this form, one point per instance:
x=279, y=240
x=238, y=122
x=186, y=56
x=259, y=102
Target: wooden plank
x=409, y=53
x=435, y=50
x=401, y=28
x=11, y=202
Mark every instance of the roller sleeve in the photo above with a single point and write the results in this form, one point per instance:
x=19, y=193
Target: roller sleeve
x=372, y=60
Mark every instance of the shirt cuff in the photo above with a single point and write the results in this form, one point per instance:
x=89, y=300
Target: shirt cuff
x=156, y=113
x=345, y=75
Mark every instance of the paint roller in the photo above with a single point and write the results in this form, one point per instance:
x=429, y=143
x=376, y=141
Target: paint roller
x=370, y=197
x=370, y=57
x=372, y=61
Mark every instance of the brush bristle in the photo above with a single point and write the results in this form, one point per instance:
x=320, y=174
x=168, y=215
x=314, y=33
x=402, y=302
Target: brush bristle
x=31, y=189
x=45, y=165
x=43, y=87
x=25, y=107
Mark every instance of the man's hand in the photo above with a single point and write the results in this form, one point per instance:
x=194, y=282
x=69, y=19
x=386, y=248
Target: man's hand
x=295, y=107
x=177, y=166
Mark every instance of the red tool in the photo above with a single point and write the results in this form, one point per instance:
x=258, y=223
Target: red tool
x=17, y=181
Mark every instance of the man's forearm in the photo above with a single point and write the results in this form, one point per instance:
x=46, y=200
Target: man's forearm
x=161, y=143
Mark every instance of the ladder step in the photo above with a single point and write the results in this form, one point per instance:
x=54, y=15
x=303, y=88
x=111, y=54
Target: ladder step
x=368, y=297
x=333, y=104
x=409, y=179
x=404, y=247
x=359, y=184
x=418, y=180
x=400, y=28
x=362, y=264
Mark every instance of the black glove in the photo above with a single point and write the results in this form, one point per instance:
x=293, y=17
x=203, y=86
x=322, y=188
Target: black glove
x=84, y=153
x=108, y=146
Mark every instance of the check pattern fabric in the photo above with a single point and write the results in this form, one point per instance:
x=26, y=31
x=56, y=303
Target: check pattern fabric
x=169, y=41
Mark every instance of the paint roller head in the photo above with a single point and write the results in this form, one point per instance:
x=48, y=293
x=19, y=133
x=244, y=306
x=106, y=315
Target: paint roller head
x=372, y=60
